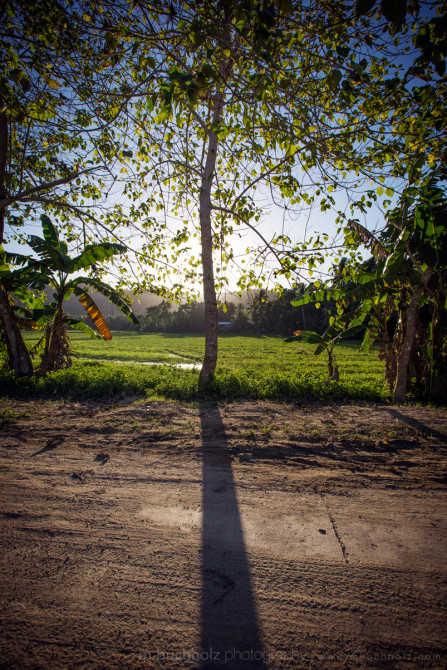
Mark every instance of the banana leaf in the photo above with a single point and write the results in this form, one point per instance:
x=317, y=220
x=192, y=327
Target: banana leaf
x=94, y=312
x=82, y=327
x=94, y=253
x=109, y=293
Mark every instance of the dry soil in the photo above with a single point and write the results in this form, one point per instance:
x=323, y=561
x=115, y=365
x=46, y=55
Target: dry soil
x=138, y=534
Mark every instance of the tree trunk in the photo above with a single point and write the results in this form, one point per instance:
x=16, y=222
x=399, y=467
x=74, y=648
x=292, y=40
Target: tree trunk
x=57, y=353
x=409, y=334
x=209, y=289
x=3, y=163
x=19, y=358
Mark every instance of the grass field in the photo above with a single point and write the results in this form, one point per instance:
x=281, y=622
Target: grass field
x=249, y=367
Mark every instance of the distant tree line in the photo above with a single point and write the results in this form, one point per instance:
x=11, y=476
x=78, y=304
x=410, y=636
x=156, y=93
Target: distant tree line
x=263, y=315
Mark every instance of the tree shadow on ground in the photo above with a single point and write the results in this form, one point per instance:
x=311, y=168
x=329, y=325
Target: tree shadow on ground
x=230, y=635
x=425, y=430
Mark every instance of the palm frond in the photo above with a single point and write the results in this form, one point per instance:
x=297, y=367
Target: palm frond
x=368, y=239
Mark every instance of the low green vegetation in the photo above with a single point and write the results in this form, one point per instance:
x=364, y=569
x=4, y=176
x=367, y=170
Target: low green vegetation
x=250, y=367
x=8, y=415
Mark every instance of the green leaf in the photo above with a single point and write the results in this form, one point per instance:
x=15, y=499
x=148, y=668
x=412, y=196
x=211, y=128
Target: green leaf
x=334, y=78
x=15, y=259
x=368, y=341
x=305, y=336
x=49, y=232
x=354, y=330
x=45, y=314
x=208, y=71
x=39, y=347
x=394, y=263
x=27, y=297
x=196, y=38
x=50, y=257
x=342, y=51
x=82, y=327
x=163, y=115
x=16, y=74
x=322, y=347
x=285, y=6
x=362, y=7
x=25, y=84
x=94, y=253
x=394, y=11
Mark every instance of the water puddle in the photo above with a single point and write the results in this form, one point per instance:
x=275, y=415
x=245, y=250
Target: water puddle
x=183, y=366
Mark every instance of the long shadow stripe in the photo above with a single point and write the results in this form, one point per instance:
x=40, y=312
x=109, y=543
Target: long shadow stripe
x=230, y=635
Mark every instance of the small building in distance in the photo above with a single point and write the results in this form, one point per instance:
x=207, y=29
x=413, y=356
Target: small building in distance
x=225, y=326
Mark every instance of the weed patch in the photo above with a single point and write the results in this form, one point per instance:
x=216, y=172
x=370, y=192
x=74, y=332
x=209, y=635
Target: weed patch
x=86, y=380
x=252, y=368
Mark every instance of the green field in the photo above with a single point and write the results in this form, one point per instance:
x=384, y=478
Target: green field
x=236, y=353
x=249, y=366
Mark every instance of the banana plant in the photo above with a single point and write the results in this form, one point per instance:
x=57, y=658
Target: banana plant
x=54, y=267
x=410, y=275
x=325, y=344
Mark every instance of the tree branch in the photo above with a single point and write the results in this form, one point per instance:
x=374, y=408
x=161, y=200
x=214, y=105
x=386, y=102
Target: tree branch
x=5, y=202
x=82, y=214
x=249, y=225
x=199, y=120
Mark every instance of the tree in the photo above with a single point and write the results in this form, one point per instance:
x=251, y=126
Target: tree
x=61, y=149
x=157, y=317
x=53, y=268
x=405, y=151
x=41, y=145
x=410, y=274
x=393, y=102
x=235, y=95
x=225, y=97
x=44, y=127
x=326, y=344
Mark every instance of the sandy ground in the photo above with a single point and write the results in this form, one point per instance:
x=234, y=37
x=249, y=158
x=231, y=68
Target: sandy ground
x=252, y=535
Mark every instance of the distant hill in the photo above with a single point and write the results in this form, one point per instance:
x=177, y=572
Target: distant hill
x=139, y=303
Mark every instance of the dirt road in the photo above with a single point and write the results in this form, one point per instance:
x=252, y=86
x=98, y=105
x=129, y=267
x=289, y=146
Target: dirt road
x=253, y=535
